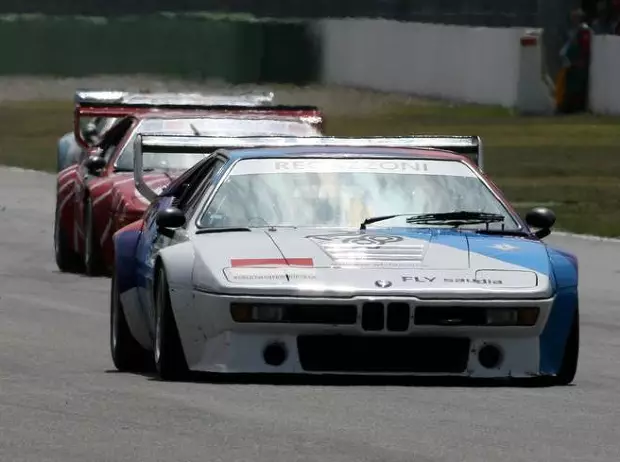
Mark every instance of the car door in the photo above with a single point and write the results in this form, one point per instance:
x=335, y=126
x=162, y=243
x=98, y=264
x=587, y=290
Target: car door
x=182, y=193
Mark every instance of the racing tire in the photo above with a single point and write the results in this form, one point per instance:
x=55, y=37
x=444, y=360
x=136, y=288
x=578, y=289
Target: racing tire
x=66, y=259
x=93, y=264
x=568, y=369
x=168, y=352
x=127, y=353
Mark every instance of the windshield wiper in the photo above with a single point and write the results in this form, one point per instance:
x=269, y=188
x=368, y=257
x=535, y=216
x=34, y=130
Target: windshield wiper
x=448, y=218
x=221, y=230
x=458, y=218
x=371, y=220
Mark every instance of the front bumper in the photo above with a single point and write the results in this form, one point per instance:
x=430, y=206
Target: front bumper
x=214, y=342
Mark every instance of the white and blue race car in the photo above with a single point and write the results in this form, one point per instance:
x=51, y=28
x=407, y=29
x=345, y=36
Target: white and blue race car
x=381, y=256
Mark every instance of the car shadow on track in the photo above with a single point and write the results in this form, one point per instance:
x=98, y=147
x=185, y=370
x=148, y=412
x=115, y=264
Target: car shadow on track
x=352, y=381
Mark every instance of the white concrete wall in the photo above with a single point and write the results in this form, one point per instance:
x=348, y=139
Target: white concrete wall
x=458, y=63
x=605, y=75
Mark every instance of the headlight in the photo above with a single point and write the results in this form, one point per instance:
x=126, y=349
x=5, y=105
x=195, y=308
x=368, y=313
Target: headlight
x=242, y=312
x=512, y=316
x=475, y=316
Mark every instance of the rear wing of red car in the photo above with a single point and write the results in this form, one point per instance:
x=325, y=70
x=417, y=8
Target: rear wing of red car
x=468, y=146
x=117, y=104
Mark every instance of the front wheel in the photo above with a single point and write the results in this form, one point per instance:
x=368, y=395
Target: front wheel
x=127, y=353
x=568, y=369
x=168, y=352
x=66, y=259
x=93, y=265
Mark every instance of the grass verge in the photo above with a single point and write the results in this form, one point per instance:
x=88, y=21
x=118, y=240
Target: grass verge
x=569, y=163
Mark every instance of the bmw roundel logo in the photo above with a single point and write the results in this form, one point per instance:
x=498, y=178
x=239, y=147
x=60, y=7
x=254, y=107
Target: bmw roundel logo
x=383, y=284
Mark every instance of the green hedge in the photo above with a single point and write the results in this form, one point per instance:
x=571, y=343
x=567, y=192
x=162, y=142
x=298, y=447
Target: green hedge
x=238, y=51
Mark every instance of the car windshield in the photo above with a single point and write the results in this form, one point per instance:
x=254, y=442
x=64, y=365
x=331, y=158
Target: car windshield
x=326, y=192
x=206, y=127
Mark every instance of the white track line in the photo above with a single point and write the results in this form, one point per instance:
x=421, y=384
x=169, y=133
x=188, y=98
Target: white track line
x=587, y=237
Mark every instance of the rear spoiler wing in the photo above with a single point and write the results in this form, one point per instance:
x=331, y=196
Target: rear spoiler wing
x=119, y=104
x=468, y=146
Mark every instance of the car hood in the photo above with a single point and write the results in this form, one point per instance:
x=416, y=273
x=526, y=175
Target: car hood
x=399, y=262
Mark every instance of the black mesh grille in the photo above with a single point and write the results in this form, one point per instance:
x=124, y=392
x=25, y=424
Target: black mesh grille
x=373, y=317
x=398, y=317
x=393, y=317
x=372, y=354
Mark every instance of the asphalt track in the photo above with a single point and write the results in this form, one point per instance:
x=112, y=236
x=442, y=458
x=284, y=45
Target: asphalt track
x=61, y=400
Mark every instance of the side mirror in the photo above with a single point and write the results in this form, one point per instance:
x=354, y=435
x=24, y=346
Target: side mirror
x=169, y=219
x=95, y=164
x=541, y=218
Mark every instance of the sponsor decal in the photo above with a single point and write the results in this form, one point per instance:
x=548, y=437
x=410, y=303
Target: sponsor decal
x=270, y=275
x=383, y=284
x=352, y=165
x=372, y=166
x=435, y=279
x=241, y=262
x=356, y=239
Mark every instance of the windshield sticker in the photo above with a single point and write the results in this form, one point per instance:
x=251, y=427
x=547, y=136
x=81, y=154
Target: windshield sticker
x=381, y=166
x=250, y=262
x=270, y=275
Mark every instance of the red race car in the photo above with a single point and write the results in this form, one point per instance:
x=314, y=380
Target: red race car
x=97, y=196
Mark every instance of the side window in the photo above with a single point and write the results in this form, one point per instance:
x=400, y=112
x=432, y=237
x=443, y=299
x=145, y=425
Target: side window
x=113, y=137
x=109, y=152
x=193, y=195
x=177, y=188
x=125, y=160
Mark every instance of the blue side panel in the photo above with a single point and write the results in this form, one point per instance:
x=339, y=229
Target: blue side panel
x=125, y=243
x=565, y=268
x=554, y=336
x=144, y=251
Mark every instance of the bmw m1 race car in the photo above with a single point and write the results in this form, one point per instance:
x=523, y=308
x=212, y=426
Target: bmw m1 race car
x=383, y=256
x=72, y=145
x=96, y=197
